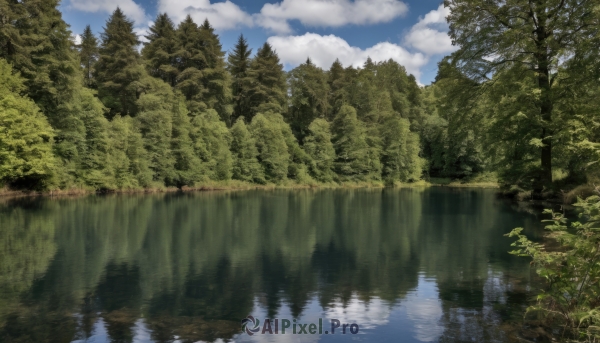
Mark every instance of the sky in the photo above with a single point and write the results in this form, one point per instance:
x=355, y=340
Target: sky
x=411, y=32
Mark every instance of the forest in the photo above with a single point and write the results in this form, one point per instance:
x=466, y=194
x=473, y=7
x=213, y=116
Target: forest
x=518, y=102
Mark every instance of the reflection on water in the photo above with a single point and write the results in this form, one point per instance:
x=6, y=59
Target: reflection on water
x=417, y=265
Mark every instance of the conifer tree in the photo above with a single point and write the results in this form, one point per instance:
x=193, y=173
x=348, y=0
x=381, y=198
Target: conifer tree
x=160, y=52
x=308, y=97
x=119, y=71
x=351, y=148
x=269, y=88
x=88, y=55
x=318, y=145
x=212, y=144
x=26, y=158
x=190, y=61
x=215, y=78
x=43, y=53
x=272, y=148
x=238, y=63
x=245, y=154
x=10, y=38
x=338, y=82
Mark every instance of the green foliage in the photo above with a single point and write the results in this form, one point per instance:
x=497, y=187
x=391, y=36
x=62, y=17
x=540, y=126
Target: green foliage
x=92, y=166
x=299, y=159
x=160, y=52
x=88, y=55
x=533, y=46
x=26, y=158
x=188, y=166
x=215, y=78
x=268, y=91
x=238, y=64
x=190, y=60
x=128, y=157
x=212, y=145
x=245, y=154
x=42, y=52
x=156, y=125
x=353, y=159
x=308, y=97
x=400, y=155
x=319, y=147
x=571, y=299
x=272, y=148
x=119, y=69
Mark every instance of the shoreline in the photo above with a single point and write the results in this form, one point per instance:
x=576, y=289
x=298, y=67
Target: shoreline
x=233, y=186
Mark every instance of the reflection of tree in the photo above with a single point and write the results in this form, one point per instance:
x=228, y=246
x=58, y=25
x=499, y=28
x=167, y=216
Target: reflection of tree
x=26, y=249
x=192, y=265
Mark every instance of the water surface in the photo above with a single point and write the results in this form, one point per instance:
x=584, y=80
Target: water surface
x=405, y=265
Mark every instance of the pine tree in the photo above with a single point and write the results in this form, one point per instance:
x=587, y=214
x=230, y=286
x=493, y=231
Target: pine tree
x=119, y=71
x=160, y=52
x=269, y=88
x=351, y=148
x=308, y=97
x=190, y=61
x=245, y=154
x=338, y=82
x=11, y=43
x=318, y=145
x=26, y=158
x=272, y=148
x=43, y=53
x=88, y=55
x=212, y=144
x=215, y=78
x=238, y=63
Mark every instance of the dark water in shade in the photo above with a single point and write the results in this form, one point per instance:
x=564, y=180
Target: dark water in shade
x=405, y=265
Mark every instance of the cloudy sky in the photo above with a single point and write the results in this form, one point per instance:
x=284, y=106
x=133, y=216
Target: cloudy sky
x=412, y=32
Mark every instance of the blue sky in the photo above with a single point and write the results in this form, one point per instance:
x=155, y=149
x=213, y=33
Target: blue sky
x=412, y=32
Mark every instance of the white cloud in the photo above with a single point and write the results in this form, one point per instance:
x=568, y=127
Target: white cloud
x=76, y=39
x=430, y=34
x=323, y=50
x=328, y=13
x=221, y=15
x=129, y=7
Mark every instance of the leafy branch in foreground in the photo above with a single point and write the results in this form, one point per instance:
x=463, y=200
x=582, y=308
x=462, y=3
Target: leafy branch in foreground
x=571, y=299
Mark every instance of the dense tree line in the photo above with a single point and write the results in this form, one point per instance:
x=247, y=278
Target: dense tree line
x=105, y=114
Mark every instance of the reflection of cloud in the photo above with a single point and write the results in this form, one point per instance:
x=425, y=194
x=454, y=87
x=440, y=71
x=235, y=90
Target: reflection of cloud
x=366, y=315
x=424, y=308
x=369, y=315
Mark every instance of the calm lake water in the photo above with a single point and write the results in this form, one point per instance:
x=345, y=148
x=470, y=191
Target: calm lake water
x=404, y=265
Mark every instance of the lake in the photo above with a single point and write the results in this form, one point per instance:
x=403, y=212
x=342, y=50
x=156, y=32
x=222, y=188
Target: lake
x=402, y=265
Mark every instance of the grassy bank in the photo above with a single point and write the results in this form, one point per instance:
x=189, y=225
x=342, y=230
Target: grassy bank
x=230, y=185
x=484, y=180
